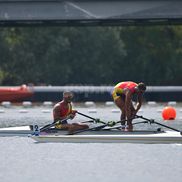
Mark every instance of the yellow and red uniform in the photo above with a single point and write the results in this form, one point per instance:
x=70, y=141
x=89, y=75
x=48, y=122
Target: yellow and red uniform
x=64, y=111
x=119, y=88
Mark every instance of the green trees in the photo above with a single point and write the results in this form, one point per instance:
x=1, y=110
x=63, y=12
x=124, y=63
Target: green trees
x=156, y=53
x=91, y=55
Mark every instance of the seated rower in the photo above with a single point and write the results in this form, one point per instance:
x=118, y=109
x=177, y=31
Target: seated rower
x=62, y=110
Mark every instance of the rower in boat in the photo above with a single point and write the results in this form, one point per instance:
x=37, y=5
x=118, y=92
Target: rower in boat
x=104, y=133
x=100, y=134
x=122, y=96
x=62, y=110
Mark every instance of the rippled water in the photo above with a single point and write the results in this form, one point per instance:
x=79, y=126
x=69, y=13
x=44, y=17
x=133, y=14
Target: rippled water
x=23, y=160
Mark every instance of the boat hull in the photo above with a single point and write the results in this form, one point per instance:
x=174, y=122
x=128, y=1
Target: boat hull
x=25, y=130
x=22, y=131
x=161, y=138
x=101, y=136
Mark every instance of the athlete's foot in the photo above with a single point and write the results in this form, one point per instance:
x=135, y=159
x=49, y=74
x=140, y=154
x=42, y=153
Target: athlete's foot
x=122, y=127
x=128, y=128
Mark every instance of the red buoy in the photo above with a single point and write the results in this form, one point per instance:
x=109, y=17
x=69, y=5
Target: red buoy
x=169, y=113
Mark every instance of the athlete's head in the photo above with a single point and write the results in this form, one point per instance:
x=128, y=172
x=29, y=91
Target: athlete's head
x=141, y=87
x=68, y=96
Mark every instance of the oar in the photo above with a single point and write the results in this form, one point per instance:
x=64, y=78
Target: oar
x=52, y=124
x=140, y=122
x=118, y=127
x=96, y=120
x=89, y=121
x=101, y=126
x=152, y=121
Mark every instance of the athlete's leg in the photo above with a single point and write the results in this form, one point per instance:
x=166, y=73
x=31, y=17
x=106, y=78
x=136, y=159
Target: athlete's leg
x=121, y=105
x=75, y=127
x=129, y=122
x=78, y=126
x=119, y=100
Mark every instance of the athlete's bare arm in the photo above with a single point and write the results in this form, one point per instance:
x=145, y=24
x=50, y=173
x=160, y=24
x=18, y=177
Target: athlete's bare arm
x=56, y=112
x=139, y=102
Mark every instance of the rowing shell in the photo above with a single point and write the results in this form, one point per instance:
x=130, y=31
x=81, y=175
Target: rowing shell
x=16, y=131
x=24, y=131
x=101, y=136
x=157, y=138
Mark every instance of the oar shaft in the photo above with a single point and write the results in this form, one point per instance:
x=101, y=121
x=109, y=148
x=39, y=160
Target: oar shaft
x=86, y=116
x=140, y=122
x=94, y=119
x=152, y=121
x=99, y=127
x=90, y=121
x=52, y=124
x=167, y=126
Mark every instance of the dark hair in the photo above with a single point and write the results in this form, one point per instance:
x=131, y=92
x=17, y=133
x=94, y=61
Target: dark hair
x=68, y=93
x=142, y=86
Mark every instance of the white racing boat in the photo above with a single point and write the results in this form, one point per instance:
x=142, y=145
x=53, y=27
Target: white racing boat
x=150, y=137
x=16, y=131
x=99, y=134
x=24, y=131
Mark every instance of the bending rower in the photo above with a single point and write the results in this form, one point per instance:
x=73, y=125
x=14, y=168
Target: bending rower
x=64, y=110
x=122, y=95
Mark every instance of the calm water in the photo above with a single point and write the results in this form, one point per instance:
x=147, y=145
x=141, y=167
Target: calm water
x=23, y=160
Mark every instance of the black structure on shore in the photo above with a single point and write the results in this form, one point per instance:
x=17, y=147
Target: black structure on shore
x=103, y=93
x=89, y=12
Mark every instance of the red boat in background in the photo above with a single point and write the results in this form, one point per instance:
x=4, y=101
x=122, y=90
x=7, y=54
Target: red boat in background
x=15, y=94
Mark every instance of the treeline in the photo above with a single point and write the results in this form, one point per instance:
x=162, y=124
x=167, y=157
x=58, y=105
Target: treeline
x=91, y=55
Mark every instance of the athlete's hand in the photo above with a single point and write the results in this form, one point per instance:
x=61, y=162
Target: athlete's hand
x=71, y=116
x=74, y=112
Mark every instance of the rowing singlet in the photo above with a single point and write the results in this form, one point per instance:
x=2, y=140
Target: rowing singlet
x=122, y=85
x=64, y=111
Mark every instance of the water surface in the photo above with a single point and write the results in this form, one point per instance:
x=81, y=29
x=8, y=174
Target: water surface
x=23, y=160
